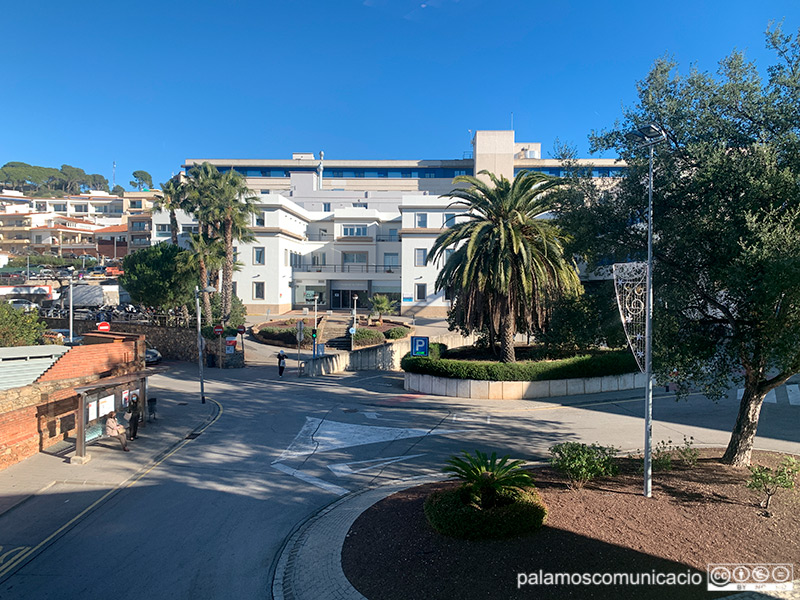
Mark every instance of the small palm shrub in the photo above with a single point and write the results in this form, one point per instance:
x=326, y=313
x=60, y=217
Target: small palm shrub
x=484, y=478
x=769, y=481
x=496, y=499
x=581, y=462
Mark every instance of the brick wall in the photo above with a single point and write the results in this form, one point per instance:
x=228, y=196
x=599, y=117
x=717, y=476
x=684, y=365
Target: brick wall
x=36, y=416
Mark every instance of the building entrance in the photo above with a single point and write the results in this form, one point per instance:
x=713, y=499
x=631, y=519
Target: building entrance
x=344, y=298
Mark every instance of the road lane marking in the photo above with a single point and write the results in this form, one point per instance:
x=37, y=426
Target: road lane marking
x=318, y=435
x=18, y=561
x=793, y=392
x=343, y=469
x=328, y=487
x=6, y=555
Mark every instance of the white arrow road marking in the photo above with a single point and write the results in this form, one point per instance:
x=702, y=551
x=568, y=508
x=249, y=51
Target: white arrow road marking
x=320, y=436
x=793, y=391
x=343, y=469
x=371, y=415
x=328, y=487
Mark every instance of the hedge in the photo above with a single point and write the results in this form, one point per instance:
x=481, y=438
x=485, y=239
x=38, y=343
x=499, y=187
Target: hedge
x=395, y=333
x=367, y=337
x=597, y=364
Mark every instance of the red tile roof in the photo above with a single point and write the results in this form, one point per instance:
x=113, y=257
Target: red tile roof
x=112, y=229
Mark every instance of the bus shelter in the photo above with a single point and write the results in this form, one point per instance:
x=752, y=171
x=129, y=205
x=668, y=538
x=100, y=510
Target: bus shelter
x=97, y=399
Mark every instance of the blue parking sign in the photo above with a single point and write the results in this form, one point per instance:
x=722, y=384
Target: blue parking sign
x=419, y=346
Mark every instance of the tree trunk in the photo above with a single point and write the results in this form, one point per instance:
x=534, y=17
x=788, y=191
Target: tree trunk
x=173, y=226
x=740, y=445
x=507, y=340
x=227, y=271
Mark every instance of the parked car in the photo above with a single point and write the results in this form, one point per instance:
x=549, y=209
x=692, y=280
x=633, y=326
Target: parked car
x=61, y=337
x=23, y=304
x=151, y=355
x=46, y=274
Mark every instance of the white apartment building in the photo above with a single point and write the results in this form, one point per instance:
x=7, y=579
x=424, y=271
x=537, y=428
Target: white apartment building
x=342, y=230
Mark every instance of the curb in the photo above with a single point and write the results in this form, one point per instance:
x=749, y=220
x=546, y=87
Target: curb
x=309, y=564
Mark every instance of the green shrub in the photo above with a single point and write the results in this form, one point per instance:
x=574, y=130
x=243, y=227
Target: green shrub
x=485, y=478
x=769, y=481
x=208, y=332
x=597, y=364
x=396, y=333
x=687, y=453
x=367, y=337
x=661, y=456
x=517, y=513
x=582, y=463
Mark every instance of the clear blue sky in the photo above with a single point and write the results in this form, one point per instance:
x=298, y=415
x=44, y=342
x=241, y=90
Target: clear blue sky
x=148, y=84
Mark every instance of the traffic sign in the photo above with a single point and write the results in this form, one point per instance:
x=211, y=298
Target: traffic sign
x=352, y=330
x=103, y=326
x=241, y=329
x=419, y=346
x=217, y=329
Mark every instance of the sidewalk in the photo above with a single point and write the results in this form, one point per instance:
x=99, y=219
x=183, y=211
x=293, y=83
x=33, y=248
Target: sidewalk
x=176, y=418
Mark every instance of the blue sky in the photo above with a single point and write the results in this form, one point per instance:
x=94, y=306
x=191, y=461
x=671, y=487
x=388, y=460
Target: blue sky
x=148, y=84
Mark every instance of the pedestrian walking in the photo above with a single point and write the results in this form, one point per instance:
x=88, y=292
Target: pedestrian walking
x=136, y=412
x=115, y=430
x=281, y=363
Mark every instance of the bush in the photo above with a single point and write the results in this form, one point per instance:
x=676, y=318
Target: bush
x=485, y=478
x=661, y=456
x=688, y=454
x=518, y=512
x=769, y=481
x=582, y=463
x=597, y=364
x=396, y=333
x=367, y=337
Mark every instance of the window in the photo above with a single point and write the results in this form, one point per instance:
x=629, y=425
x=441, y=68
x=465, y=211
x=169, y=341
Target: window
x=38, y=239
x=359, y=205
x=326, y=207
x=81, y=208
x=234, y=288
x=259, y=220
x=235, y=253
x=318, y=258
x=354, y=230
x=60, y=207
x=420, y=257
x=393, y=235
x=449, y=219
x=136, y=204
x=139, y=226
x=351, y=258
x=264, y=192
x=448, y=293
x=448, y=252
x=258, y=256
x=190, y=229
x=258, y=290
x=391, y=261
x=422, y=220
x=162, y=227
x=420, y=291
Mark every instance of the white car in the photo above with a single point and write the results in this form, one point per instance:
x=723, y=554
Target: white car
x=21, y=303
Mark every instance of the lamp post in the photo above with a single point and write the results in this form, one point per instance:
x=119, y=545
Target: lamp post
x=70, y=309
x=648, y=136
x=314, y=353
x=200, y=343
x=355, y=319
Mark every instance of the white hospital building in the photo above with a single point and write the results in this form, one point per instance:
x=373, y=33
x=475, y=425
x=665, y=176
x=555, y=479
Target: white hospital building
x=344, y=228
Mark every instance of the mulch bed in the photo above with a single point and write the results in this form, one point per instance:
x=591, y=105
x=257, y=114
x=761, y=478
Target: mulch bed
x=696, y=516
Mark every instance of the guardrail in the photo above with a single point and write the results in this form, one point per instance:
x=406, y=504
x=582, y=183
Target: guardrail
x=356, y=268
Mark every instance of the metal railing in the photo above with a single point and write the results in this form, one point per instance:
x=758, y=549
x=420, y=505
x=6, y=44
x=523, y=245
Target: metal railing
x=352, y=268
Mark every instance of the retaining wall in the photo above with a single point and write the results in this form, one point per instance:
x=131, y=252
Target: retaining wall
x=385, y=357
x=519, y=390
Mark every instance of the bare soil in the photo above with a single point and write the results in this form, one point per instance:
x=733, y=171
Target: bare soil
x=697, y=516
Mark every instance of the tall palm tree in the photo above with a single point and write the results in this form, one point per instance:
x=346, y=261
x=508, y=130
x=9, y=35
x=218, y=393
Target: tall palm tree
x=508, y=261
x=172, y=199
x=204, y=255
x=223, y=204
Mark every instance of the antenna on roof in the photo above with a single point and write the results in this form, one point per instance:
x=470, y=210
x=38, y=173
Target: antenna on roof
x=114, y=175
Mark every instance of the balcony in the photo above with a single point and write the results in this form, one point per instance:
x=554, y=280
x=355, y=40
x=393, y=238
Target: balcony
x=387, y=238
x=352, y=268
x=320, y=237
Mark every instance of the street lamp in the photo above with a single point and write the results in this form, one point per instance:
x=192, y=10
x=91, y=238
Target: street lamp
x=200, y=344
x=355, y=319
x=316, y=297
x=648, y=136
x=70, y=310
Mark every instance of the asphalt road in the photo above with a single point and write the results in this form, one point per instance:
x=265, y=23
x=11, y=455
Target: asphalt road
x=207, y=522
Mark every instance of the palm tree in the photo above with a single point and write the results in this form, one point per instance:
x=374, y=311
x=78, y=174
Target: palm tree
x=172, y=198
x=381, y=305
x=204, y=255
x=508, y=261
x=223, y=204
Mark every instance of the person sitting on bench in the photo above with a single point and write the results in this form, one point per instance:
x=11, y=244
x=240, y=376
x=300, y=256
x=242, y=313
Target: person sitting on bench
x=115, y=430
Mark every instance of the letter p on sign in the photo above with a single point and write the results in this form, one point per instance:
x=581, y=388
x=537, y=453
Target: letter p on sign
x=419, y=346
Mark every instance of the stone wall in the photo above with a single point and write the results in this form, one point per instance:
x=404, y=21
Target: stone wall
x=174, y=343
x=36, y=416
